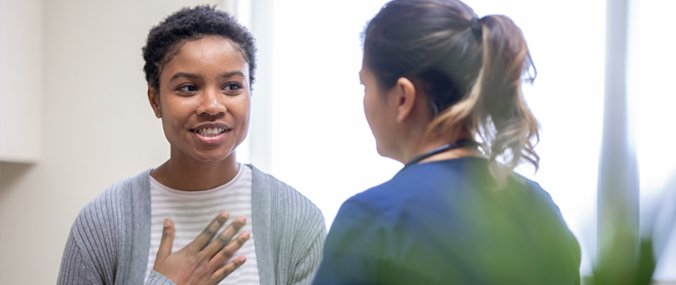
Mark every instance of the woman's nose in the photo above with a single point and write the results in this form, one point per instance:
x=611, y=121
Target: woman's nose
x=211, y=103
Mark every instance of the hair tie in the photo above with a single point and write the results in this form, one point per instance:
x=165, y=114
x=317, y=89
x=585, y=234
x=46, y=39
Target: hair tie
x=477, y=28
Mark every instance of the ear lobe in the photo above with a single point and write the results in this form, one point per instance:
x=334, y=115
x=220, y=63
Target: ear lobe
x=406, y=97
x=154, y=100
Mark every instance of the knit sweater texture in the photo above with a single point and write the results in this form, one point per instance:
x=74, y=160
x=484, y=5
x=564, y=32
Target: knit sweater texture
x=110, y=238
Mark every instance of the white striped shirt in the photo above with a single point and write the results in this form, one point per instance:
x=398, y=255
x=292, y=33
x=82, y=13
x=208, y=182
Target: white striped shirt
x=192, y=211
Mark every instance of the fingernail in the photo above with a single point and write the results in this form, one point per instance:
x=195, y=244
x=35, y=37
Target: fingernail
x=223, y=216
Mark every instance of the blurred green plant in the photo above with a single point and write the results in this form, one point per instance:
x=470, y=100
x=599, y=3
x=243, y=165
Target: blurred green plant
x=615, y=269
x=629, y=257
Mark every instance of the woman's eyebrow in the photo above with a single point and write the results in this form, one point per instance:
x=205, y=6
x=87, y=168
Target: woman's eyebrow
x=231, y=74
x=184, y=75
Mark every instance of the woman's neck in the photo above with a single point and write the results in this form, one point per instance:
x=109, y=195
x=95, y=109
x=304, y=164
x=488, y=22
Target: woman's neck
x=194, y=175
x=444, y=151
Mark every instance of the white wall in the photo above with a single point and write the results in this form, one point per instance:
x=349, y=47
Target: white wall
x=97, y=126
x=21, y=36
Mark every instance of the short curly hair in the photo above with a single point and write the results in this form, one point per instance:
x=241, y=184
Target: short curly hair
x=189, y=24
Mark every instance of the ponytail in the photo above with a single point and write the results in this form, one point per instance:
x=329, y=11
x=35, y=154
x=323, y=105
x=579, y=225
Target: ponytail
x=494, y=111
x=506, y=125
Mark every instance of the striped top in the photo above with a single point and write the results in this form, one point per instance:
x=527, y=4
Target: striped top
x=192, y=211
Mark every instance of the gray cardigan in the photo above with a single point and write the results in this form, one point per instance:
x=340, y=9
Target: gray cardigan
x=110, y=238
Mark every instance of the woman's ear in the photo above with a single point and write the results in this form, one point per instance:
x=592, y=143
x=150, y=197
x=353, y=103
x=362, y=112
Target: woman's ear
x=406, y=98
x=154, y=100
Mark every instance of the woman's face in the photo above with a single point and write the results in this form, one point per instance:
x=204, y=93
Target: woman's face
x=204, y=100
x=379, y=113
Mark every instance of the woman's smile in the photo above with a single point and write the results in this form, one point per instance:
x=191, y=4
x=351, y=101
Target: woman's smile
x=211, y=134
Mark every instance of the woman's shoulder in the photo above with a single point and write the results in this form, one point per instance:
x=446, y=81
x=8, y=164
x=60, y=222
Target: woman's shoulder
x=101, y=222
x=385, y=200
x=117, y=199
x=267, y=180
x=269, y=191
x=530, y=191
x=125, y=188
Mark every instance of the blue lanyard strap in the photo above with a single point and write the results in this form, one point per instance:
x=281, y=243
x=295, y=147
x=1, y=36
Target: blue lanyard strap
x=454, y=145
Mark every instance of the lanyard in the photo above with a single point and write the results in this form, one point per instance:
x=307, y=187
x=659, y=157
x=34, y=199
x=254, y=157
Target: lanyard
x=454, y=145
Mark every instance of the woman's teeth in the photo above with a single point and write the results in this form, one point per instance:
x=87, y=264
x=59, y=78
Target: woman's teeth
x=210, y=131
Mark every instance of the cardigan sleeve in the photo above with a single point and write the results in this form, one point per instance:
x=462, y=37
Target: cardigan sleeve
x=76, y=268
x=289, y=231
x=309, y=254
x=90, y=255
x=95, y=245
x=156, y=278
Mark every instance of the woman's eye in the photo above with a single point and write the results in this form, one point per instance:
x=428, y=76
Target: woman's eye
x=232, y=87
x=187, y=88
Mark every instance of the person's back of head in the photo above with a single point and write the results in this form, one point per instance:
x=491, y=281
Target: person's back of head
x=470, y=69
